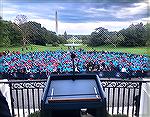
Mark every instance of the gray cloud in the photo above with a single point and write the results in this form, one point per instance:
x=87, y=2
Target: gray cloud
x=79, y=12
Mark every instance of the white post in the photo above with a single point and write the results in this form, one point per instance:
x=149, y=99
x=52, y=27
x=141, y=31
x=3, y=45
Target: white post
x=145, y=100
x=5, y=89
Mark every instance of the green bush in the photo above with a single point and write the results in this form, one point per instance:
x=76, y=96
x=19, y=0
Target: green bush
x=119, y=115
x=36, y=114
x=55, y=44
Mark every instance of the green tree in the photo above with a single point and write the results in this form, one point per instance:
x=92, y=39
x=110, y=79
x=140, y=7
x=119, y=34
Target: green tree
x=117, y=39
x=10, y=35
x=15, y=35
x=85, y=39
x=98, y=37
x=61, y=39
x=35, y=33
x=147, y=33
x=5, y=41
x=20, y=20
x=51, y=37
x=22, y=32
x=134, y=35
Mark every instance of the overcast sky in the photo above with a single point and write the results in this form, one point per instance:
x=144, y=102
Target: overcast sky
x=79, y=16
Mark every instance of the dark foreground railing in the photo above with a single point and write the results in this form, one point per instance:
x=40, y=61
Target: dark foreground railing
x=123, y=96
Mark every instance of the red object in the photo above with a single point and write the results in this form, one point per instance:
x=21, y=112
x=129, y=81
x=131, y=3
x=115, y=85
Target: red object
x=17, y=52
x=29, y=61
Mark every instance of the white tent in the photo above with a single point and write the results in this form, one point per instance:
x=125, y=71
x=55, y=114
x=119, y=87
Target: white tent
x=72, y=44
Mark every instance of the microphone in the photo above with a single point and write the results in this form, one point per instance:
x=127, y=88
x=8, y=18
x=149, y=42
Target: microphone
x=72, y=57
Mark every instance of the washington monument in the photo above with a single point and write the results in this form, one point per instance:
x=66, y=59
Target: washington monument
x=56, y=22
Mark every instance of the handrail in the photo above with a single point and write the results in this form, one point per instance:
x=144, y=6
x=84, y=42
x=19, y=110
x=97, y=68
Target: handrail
x=102, y=79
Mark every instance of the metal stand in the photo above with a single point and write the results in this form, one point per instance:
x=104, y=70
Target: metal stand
x=72, y=58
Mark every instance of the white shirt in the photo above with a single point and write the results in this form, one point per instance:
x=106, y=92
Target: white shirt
x=123, y=70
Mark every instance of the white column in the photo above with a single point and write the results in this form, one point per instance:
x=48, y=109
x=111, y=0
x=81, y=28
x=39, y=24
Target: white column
x=145, y=100
x=5, y=89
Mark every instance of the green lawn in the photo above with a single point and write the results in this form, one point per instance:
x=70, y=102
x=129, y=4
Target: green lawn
x=135, y=50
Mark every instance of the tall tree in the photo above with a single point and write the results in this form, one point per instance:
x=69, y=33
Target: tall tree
x=134, y=35
x=20, y=20
x=98, y=37
x=147, y=33
x=10, y=35
x=35, y=33
x=85, y=39
x=117, y=39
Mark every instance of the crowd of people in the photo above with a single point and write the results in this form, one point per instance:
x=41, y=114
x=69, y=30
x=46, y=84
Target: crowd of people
x=61, y=62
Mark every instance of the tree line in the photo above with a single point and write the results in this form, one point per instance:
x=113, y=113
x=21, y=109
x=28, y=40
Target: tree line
x=13, y=34
x=22, y=33
x=134, y=35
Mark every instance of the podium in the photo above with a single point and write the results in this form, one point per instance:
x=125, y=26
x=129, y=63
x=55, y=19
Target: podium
x=67, y=95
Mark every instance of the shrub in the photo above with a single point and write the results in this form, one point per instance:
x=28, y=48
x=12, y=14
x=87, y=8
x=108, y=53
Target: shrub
x=36, y=114
x=119, y=115
x=55, y=44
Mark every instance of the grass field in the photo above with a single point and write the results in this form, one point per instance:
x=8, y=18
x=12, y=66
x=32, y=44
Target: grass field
x=135, y=50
